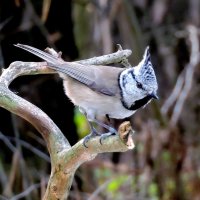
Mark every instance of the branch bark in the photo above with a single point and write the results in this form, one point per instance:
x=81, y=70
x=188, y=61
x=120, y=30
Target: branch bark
x=64, y=159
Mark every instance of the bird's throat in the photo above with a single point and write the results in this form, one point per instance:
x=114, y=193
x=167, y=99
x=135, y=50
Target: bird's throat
x=140, y=103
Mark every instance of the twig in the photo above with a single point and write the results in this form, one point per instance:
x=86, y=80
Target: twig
x=116, y=57
x=13, y=173
x=99, y=189
x=32, y=148
x=103, y=186
x=36, y=138
x=174, y=95
x=7, y=142
x=16, y=132
x=3, y=176
x=22, y=163
x=26, y=192
x=190, y=68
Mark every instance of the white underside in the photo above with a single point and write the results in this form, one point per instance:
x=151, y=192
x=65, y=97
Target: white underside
x=93, y=103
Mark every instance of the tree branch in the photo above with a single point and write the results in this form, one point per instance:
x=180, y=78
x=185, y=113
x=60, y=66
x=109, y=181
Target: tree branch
x=69, y=160
x=118, y=57
x=19, y=106
x=184, y=82
x=64, y=158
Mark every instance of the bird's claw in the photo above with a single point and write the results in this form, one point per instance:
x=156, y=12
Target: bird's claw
x=94, y=133
x=105, y=135
x=86, y=139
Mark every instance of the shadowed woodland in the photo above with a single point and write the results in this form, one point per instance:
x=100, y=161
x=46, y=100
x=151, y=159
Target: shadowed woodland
x=165, y=163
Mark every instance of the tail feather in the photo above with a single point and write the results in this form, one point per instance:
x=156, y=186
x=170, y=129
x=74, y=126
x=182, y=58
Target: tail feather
x=50, y=59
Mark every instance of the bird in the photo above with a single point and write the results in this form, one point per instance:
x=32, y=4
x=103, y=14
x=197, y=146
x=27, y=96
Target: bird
x=104, y=90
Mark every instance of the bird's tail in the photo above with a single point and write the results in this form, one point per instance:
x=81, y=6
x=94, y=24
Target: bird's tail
x=50, y=59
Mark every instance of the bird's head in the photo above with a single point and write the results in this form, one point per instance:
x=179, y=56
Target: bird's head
x=139, y=82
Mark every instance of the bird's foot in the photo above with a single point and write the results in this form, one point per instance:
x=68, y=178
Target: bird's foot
x=94, y=133
x=106, y=135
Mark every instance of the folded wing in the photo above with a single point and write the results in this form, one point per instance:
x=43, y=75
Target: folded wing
x=103, y=79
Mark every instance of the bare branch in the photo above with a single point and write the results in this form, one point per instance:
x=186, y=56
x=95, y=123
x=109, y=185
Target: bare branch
x=116, y=57
x=7, y=142
x=64, y=158
x=26, y=192
x=28, y=146
x=78, y=154
x=174, y=95
x=190, y=69
x=51, y=133
x=100, y=189
x=19, y=68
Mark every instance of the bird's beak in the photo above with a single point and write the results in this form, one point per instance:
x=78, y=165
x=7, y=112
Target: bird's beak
x=154, y=95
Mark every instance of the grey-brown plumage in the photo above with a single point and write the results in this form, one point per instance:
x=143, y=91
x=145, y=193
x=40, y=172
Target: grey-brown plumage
x=104, y=90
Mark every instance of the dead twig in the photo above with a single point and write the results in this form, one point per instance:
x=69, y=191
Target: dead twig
x=26, y=192
x=174, y=95
x=188, y=79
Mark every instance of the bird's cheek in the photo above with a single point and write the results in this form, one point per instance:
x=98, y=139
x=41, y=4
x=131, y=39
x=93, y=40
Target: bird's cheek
x=131, y=90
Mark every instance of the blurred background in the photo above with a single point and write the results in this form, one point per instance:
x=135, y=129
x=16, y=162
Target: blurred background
x=165, y=164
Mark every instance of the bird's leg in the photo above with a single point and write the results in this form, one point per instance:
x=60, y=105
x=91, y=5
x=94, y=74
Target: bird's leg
x=109, y=128
x=112, y=131
x=93, y=133
x=108, y=118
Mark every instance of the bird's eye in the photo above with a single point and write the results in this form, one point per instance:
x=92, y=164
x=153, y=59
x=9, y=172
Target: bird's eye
x=139, y=85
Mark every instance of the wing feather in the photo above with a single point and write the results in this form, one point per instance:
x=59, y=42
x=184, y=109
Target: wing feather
x=103, y=79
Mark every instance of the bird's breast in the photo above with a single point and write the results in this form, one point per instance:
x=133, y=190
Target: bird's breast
x=94, y=102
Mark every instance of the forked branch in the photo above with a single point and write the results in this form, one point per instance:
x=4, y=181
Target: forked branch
x=64, y=158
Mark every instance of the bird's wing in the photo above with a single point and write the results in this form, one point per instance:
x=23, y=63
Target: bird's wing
x=103, y=79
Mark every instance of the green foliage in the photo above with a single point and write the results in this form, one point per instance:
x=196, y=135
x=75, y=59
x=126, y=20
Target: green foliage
x=153, y=191
x=166, y=156
x=116, y=183
x=81, y=123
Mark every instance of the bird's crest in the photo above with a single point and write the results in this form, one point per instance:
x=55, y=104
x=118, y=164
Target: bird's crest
x=146, y=70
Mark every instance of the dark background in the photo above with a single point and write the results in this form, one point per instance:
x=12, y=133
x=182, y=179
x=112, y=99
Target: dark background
x=166, y=161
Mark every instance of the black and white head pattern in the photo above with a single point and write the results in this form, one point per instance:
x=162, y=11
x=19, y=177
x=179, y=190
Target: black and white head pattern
x=138, y=84
x=145, y=72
